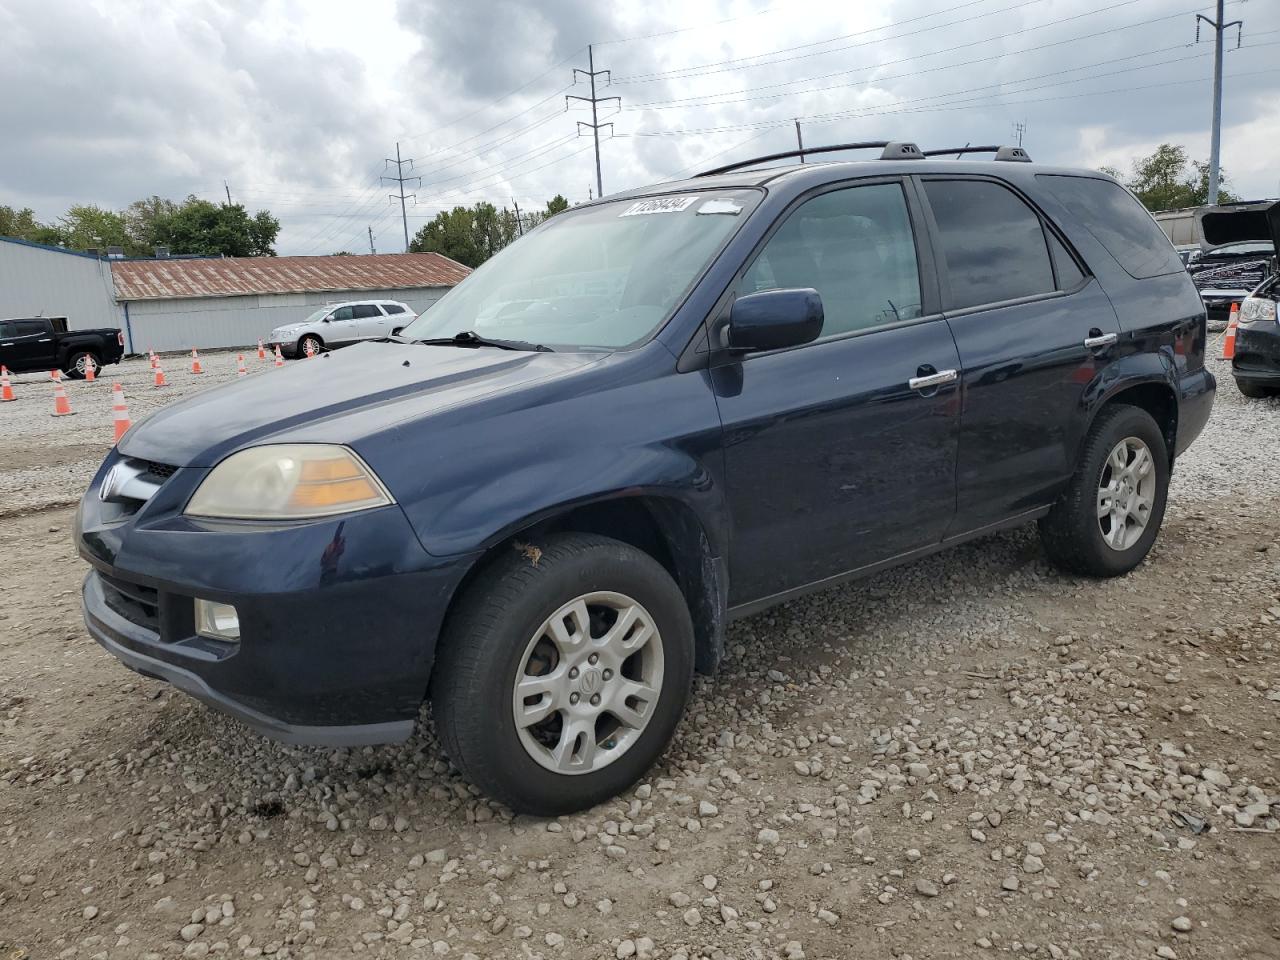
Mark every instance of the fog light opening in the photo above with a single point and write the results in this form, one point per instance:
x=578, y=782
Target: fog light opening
x=217, y=620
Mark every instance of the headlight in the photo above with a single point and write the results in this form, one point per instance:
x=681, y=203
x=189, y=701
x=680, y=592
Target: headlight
x=1254, y=309
x=288, y=481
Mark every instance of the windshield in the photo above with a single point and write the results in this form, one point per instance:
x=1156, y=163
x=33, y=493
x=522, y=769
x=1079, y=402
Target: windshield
x=601, y=277
x=318, y=315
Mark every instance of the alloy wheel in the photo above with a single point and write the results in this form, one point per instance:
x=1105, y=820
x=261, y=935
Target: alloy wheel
x=1126, y=493
x=588, y=683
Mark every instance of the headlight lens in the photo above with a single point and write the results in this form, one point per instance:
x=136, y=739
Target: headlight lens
x=288, y=481
x=1254, y=309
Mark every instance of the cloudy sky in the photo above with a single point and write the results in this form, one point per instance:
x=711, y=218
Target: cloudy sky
x=296, y=103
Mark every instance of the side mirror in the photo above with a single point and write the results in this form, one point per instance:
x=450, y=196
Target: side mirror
x=773, y=319
x=327, y=319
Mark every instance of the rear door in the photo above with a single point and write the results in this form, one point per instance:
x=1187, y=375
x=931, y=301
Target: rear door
x=1032, y=329
x=368, y=321
x=837, y=455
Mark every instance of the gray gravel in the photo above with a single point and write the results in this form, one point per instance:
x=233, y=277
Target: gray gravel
x=971, y=755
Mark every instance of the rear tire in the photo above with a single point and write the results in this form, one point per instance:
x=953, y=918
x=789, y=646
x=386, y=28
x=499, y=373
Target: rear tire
x=77, y=364
x=1108, y=518
x=1254, y=390
x=503, y=633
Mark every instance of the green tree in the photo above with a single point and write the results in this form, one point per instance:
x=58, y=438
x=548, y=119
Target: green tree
x=1162, y=181
x=470, y=235
x=142, y=219
x=556, y=204
x=23, y=225
x=87, y=225
x=201, y=227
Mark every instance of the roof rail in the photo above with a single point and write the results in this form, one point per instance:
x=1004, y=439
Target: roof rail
x=890, y=150
x=1011, y=154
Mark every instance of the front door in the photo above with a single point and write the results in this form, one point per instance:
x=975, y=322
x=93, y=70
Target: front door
x=1032, y=329
x=341, y=327
x=29, y=344
x=837, y=453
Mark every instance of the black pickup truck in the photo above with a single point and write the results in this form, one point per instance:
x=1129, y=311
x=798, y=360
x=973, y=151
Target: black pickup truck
x=44, y=343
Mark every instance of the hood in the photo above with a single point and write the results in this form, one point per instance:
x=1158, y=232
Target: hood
x=323, y=397
x=1241, y=221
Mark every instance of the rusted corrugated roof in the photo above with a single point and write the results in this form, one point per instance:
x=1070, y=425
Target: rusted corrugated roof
x=241, y=276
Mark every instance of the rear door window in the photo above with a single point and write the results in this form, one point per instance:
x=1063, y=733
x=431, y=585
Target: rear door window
x=365, y=310
x=1117, y=221
x=392, y=308
x=993, y=244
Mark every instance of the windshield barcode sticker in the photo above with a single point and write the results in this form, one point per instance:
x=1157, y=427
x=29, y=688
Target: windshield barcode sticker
x=642, y=208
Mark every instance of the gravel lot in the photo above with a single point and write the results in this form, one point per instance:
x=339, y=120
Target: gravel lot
x=970, y=756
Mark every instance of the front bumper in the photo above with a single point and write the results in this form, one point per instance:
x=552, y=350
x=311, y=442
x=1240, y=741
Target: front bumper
x=338, y=618
x=1257, y=354
x=288, y=348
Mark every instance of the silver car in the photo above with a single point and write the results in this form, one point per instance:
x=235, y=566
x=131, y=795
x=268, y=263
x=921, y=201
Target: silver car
x=341, y=324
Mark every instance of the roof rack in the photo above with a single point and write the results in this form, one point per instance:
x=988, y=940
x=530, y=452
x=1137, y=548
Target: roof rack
x=890, y=150
x=1011, y=154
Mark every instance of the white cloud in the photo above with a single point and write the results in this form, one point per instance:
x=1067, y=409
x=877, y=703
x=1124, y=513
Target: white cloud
x=296, y=103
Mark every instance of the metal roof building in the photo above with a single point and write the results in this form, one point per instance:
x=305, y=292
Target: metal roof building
x=177, y=304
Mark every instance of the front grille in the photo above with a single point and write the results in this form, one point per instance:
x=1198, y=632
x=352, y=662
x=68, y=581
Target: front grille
x=138, y=604
x=162, y=470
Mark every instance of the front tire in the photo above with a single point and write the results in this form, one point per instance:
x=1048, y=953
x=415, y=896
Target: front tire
x=1107, y=520
x=315, y=342
x=563, y=672
x=1254, y=390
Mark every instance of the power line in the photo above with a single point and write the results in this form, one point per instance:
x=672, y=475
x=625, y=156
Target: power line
x=401, y=179
x=591, y=73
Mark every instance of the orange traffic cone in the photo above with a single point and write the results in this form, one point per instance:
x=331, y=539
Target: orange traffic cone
x=154, y=359
x=90, y=370
x=240, y=370
x=160, y=381
x=55, y=376
x=1229, y=341
x=61, y=405
x=311, y=349
x=279, y=357
x=262, y=353
x=6, y=391
x=195, y=362
x=123, y=423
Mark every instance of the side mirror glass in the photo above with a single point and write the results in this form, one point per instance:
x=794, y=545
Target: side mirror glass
x=328, y=318
x=773, y=319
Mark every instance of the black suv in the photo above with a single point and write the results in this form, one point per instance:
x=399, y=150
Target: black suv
x=541, y=504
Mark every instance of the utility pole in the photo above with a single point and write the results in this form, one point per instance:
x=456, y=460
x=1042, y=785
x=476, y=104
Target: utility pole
x=228, y=189
x=591, y=73
x=799, y=140
x=1019, y=129
x=1215, y=136
x=519, y=219
x=401, y=179
x=371, y=250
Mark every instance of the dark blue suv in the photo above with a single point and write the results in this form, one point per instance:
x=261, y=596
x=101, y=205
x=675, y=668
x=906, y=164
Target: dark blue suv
x=539, y=506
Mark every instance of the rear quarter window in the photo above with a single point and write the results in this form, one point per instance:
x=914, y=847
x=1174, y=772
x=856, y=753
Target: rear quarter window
x=1118, y=221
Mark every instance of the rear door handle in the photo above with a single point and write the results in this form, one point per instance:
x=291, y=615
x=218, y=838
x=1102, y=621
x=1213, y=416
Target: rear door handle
x=1103, y=340
x=933, y=380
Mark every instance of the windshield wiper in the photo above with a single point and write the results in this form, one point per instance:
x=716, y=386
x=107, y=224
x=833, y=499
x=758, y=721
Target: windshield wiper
x=469, y=338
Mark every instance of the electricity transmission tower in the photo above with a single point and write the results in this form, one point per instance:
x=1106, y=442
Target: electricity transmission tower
x=1019, y=129
x=401, y=179
x=591, y=73
x=1215, y=137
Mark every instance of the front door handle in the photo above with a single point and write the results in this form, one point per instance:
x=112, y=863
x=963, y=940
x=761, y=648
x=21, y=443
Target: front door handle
x=929, y=381
x=1100, y=340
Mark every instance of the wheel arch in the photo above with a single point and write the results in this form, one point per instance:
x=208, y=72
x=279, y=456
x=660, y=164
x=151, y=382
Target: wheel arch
x=664, y=527
x=1155, y=395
